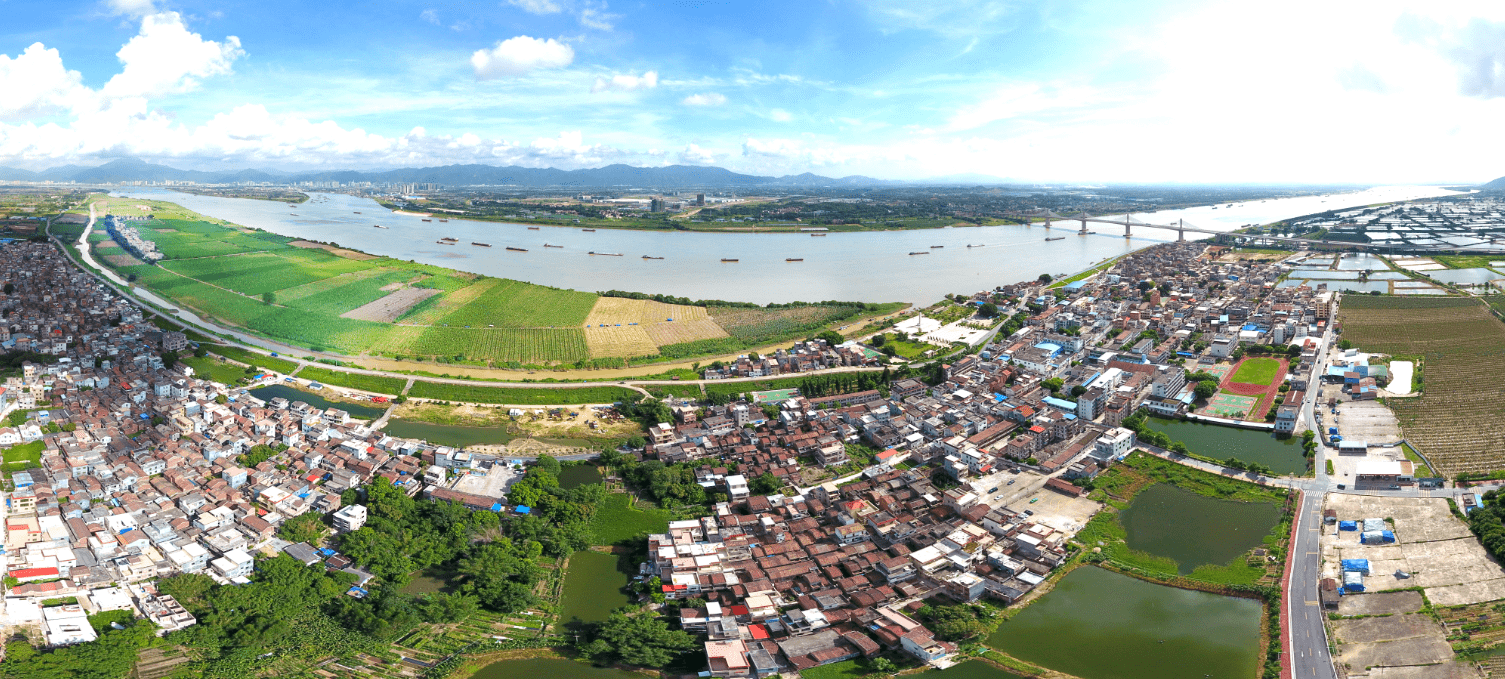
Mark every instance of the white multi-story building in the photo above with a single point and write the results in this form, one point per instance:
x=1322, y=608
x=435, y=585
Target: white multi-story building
x=350, y=518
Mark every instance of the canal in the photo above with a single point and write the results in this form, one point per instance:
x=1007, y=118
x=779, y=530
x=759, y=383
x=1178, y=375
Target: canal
x=456, y=436
x=553, y=668
x=1220, y=443
x=593, y=587
x=357, y=411
x=1194, y=530
x=1097, y=624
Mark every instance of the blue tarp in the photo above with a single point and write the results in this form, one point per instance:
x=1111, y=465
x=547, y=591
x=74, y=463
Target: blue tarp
x=1356, y=566
x=524, y=510
x=496, y=507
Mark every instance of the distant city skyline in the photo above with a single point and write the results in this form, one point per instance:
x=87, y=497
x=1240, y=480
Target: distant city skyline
x=1090, y=92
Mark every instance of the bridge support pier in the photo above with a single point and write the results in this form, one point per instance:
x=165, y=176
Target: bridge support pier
x=1084, y=227
x=1127, y=233
x=1181, y=231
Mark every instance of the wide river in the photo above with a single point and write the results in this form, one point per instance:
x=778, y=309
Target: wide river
x=869, y=267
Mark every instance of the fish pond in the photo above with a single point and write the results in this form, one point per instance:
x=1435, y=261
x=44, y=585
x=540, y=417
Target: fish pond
x=357, y=411
x=576, y=475
x=1097, y=624
x=1194, y=530
x=593, y=587
x=452, y=435
x=1283, y=455
x=553, y=668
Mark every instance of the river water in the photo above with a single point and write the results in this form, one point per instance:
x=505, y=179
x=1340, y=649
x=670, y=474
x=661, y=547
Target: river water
x=870, y=267
x=1097, y=624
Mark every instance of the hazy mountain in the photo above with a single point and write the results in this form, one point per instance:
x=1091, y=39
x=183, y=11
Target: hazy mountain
x=611, y=176
x=1496, y=185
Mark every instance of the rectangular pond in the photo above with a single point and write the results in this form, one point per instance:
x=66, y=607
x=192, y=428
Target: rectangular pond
x=1097, y=624
x=1194, y=530
x=593, y=587
x=1220, y=443
x=576, y=475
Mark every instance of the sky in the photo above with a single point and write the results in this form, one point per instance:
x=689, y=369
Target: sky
x=1091, y=91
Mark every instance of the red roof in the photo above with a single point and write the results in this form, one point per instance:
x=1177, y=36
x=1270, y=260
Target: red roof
x=22, y=574
x=758, y=631
x=739, y=609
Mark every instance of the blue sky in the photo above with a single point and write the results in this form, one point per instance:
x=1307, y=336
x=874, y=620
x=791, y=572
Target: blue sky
x=1042, y=91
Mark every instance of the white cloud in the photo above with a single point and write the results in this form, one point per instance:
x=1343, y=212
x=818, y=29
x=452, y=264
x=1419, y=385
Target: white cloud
x=36, y=83
x=626, y=82
x=516, y=56
x=132, y=8
x=535, y=6
x=165, y=57
x=694, y=155
x=430, y=15
x=706, y=99
x=779, y=115
x=597, y=17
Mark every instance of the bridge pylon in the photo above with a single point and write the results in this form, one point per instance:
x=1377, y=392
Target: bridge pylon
x=1084, y=226
x=1127, y=232
x=1180, y=230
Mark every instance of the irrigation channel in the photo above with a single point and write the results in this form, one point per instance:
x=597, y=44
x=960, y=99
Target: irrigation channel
x=1220, y=443
x=1097, y=624
x=872, y=266
x=357, y=411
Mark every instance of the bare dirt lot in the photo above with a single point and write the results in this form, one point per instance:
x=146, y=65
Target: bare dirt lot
x=339, y=252
x=1368, y=421
x=1445, y=670
x=1422, y=650
x=390, y=307
x=1063, y=513
x=1435, y=549
x=1380, y=603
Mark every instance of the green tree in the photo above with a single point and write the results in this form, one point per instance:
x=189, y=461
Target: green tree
x=1205, y=390
x=307, y=527
x=1045, y=278
x=988, y=310
x=268, y=297
x=642, y=640
x=766, y=484
x=953, y=623
x=548, y=464
x=499, y=576
x=831, y=337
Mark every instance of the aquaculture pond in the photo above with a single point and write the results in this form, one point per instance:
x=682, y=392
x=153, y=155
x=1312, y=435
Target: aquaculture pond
x=593, y=587
x=357, y=411
x=578, y=475
x=456, y=436
x=1220, y=443
x=1193, y=529
x=553, y=668
x=1097, y=624
x=972, y=669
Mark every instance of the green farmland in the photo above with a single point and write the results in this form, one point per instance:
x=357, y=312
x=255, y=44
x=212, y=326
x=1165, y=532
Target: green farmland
x=337, y=378
x=466, y=393
x=327, y=298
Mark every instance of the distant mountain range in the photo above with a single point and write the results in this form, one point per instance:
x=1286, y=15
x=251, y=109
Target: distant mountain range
x=1496, y=185
x=678, y=176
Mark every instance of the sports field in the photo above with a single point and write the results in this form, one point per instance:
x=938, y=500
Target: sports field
x=1259, y=371
x=1231, y=406
x=330, y=298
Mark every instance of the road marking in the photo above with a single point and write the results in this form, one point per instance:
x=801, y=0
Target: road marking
x=1310, y=603
x=1313, y=553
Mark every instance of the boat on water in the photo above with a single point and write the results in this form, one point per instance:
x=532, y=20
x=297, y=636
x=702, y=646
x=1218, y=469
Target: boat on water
x=444, y=220
x=549, y=245
x=486, y=245
x=532, y=228
x=377, y=226
x=445, y=242
x=794, y=259
x=591, y=230
x=606, y=254
x=428, y=220
x=976, y=246
x=920, y=252
x=651, y=257
x=449, y=238
x=936, y=247
x=727, y=259
x=357, y=212
x=513, y=249
x=817, y=235
x=1056, y=238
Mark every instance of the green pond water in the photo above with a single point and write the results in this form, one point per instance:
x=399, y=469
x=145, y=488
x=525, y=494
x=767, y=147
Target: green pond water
x=446, y=434
x=426, y=582
x=552, y=668
x=1193, y=529
x=1097, y=624
x=972, y=669
x=592, y=587
x=272, y=391
x=578, y=475
x=1220, y=443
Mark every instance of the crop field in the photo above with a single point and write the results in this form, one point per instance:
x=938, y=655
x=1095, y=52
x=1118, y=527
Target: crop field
x=617, y=520
x=626, y=341
x=252, y=358
x=255, y=273
x=514, y=304
x=214, y=370
x=189, y=238
x=467, y=393
x=772, y=325
x=527, y=345
x=1260, y=371
x=374, y=383
x=1458, y=422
